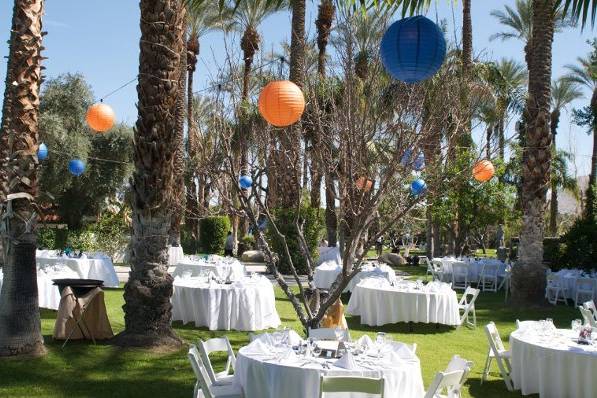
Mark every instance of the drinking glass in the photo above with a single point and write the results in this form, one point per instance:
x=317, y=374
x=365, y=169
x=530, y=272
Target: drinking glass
x=380, y=340
x=576, y=325
x=550, y=325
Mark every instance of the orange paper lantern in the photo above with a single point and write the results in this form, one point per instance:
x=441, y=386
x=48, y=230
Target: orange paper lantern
x=364, y=184
x=100, y=117
x=483, y=170
x=281, y=103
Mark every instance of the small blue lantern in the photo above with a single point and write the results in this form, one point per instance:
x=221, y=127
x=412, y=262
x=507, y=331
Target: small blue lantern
x=413, y=49
x=42, y=152
x=245, y=182
x=417, y=187
x=76, y=167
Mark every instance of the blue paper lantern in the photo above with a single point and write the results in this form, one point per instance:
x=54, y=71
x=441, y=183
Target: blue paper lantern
x=418, y=187
x=42, y=152
x=76, y=167
x=245, y=182
x=413, y=49
x=406, y=157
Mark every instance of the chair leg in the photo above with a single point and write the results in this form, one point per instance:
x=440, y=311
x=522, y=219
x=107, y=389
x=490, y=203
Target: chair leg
x=474, y=316
x=487, y=366
x=505, y=374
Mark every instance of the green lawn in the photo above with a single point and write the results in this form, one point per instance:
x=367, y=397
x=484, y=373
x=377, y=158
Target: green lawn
x=85, y=370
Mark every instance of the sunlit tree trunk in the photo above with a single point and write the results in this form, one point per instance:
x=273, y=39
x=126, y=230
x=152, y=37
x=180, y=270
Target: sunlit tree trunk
x=147, y=308
x=20, y=325
x=529, y=274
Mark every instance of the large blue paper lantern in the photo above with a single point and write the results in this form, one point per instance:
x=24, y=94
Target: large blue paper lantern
x=413, y=49
x=76, y=167
x=417, y=187
x=42, y=152
x=245, y=182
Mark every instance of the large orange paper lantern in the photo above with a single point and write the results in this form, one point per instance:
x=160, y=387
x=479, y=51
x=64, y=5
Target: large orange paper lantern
x=281, y=103
x=364, y=184
x=483, y=170
x=100, y=117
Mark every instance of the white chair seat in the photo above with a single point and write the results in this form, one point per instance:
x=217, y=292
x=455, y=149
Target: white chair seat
x=227, y=391
x=223, y=380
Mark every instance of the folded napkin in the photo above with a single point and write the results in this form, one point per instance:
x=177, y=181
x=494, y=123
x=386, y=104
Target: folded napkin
x=287, y=355
x=258, y=347
x=402, y=351
x=347, y=362
x=365, y=341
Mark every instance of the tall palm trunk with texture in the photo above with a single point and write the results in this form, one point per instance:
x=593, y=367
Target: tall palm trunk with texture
x=528, y=282
x=192, y=199
x=20, y=325
x=178, y=187
x=147, y=307
x=553, y=203
x=288, y=158
x=591, y=201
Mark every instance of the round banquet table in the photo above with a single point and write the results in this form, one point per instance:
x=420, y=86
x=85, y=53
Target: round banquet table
x=248, y=304
x=260, y=374
x=378, y=303
x=222, y=269
x=475, y=267
x=568, y=279
x=98, y=267
x=554, y=366
x=175, y=254
x=326, y=274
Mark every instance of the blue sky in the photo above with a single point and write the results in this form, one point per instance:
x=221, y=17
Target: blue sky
x=101, y=41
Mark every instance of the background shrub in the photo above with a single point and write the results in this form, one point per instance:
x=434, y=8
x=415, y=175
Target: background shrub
x=579, y=245
x=284, y=219
x=213, y=234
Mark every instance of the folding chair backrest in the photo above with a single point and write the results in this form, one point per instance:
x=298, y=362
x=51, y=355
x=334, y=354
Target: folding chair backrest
x=365, y=385
x=459, y=268
x=495, y=341
x=590, y=305
x=588, y=317
x=329, y=334
x=218, y=344
x=457, y=363
x=585, y=284
x=442, y=380
x=490, y=269
x=553, y=279
x=469, y=296
x=437, y=264
x=425, y=261
x=200, y=373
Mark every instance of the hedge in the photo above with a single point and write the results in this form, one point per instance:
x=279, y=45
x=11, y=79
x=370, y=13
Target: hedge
x=213, y=234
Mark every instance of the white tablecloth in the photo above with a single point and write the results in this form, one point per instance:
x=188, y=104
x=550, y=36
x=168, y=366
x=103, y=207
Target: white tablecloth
x=223, y=268
x=175, y=255
x=99, y=267
x=260, y=375
x=378, y=303
x=247, y=305
x=329, y=254
x=568, y=279
x=326, y=274
x=553, y=367
x=475, y=267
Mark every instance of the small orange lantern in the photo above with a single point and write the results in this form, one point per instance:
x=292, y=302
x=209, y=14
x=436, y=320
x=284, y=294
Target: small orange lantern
x=281, y=103
x=483, y=170
x=364, y=184
x=100, y=117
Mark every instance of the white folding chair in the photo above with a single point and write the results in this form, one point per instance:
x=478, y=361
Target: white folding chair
x=467, y=306
x=501, y=355
x=203, y=387
x=219, y=344
x=329, y=334
x=590, y=305
x=506, y=282
x=489, y=278
x=426, y=263
x=449, y=382
x=459, y=275
x=349, y=384
x=585, y=287
x=554, y=291
x=588, y=317
x=437, y=270
x=459, y=363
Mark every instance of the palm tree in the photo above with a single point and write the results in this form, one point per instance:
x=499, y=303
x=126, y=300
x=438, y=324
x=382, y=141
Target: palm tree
x=20, y=323
x=563, y=92
x=202, y=18
x=528, y=277
x=147, y=308
x=585, y=74
x=519, y=21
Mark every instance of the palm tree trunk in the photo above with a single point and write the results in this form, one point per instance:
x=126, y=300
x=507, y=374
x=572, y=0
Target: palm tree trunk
x=192, y=199
x=20, y=323
x=331, y=219
x=147, y=308
x=553, y=203
x=467, y=38
x=529, y=274
x=179, y=159
x=591, y=202
x=488, y=133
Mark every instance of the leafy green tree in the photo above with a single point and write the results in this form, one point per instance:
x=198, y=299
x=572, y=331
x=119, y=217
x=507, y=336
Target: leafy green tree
x=64, y=102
